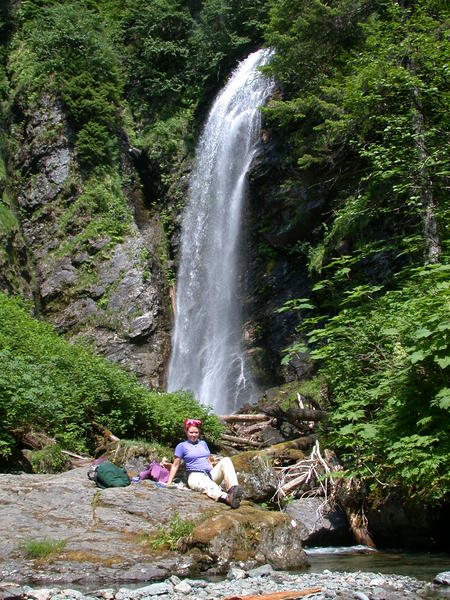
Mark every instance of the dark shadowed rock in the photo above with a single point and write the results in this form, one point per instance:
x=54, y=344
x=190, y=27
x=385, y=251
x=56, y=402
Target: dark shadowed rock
x=409, y=524
x=319, y=524
x=442, y=578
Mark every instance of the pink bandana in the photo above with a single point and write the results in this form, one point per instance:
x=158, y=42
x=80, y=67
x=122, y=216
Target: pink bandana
x=191, y=423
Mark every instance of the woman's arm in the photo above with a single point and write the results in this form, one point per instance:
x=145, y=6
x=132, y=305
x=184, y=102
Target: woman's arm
x=173, y=470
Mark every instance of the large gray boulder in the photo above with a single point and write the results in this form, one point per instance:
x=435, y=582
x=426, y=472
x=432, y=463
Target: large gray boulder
x=107, y=533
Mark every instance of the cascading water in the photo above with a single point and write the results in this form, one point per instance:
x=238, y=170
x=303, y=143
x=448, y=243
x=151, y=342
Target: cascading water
x=207, y=356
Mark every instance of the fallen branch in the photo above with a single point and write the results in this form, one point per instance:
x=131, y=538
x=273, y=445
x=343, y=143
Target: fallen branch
x=249, y=418
x=254, y=428
x=302, y=443
x=72, y=455
x=304, y=414
x=305, y=471
x=36, y=440
x=240, y=441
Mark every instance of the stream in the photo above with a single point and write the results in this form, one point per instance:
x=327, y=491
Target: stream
x=422, y=565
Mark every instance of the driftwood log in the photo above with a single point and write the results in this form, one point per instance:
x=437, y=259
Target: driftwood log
x=350, y=497
x=244, y=418
x=240, y=441
x=295, y=415
x=301, y=443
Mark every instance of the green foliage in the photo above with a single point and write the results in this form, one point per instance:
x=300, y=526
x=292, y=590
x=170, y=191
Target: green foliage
x=49, y=460
x=174, y=57
x=156, y=35
x=364, y=112
x=171, y=534
x=69, y=46
x=224, y=31
x=60, y=388
x=386, y=364
x=43, y=548
x=8, y=220
x=100, y=210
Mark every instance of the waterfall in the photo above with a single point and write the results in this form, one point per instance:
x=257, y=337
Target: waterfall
x=207, y=356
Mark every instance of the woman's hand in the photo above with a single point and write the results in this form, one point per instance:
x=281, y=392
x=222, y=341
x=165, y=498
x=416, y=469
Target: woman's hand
x=173, y=470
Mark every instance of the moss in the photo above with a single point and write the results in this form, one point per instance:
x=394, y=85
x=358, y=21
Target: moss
x=240, y=530
x=8, y=221
x=80, y=556
x=244, y=462
x=100, y=211
x=49, y=459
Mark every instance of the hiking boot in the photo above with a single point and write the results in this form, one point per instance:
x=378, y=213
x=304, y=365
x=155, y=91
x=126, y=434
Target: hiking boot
x=234, y=496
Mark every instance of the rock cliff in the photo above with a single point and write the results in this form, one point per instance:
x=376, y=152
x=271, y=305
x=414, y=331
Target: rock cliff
x=86, y=247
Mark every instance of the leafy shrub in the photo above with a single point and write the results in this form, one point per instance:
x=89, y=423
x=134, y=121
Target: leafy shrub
x=100, y=210
x=171, y=534
x=49, y=460
x=385, y=359
x=60, y=388
x=156, y=35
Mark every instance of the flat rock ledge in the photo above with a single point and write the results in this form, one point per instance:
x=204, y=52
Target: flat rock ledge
x=106, y=534
x=239, y=583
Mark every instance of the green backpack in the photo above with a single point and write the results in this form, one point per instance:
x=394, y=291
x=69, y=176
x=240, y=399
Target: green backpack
x=107, y=474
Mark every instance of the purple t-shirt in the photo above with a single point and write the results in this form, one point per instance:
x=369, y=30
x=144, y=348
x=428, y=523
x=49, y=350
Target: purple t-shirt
x=195, y=456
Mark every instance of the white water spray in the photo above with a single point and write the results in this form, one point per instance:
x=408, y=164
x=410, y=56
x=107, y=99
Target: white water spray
x=207, y=356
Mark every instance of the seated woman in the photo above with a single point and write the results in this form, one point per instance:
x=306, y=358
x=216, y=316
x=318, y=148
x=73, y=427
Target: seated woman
x=200, y=473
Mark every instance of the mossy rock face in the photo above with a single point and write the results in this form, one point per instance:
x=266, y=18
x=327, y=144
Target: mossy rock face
x=290, y=448
x=286, y=395
x=255, y=468
x=49, y=459
x=250, y=533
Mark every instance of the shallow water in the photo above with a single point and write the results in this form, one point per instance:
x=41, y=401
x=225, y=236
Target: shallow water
x=422, y=565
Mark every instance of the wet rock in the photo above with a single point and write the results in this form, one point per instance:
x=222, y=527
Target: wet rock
x=235, y=573
x=319, y=524
x=443, y=578
x=321, y=586
x=61, y=275
x=142, y=326
x=183, y=587
x=262, y=571
x=408, y=524
x=271, y=436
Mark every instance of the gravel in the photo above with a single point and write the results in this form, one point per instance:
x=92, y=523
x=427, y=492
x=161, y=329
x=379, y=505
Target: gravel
x=263, y=580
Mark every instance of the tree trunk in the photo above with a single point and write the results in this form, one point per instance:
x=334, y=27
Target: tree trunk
x=428, y=201
x=424, y=184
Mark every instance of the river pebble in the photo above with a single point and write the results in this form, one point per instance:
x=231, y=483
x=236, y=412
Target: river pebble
x=263, y=580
